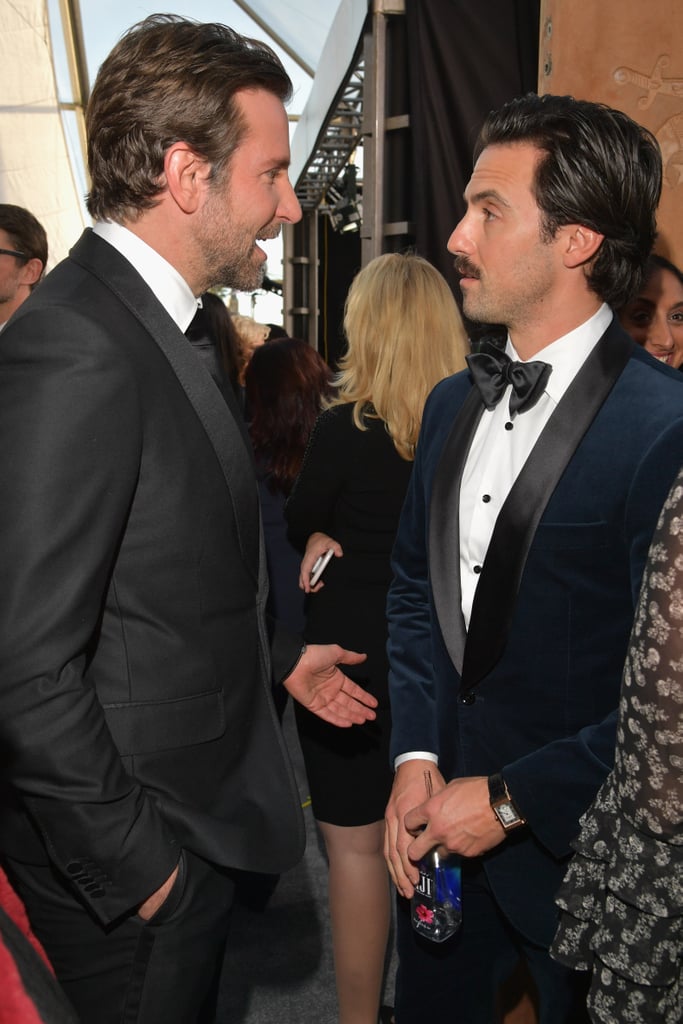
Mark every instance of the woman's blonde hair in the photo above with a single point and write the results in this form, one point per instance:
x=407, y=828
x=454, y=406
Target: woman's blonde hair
x=250, y=331
x=404, y=334
x=250, y=334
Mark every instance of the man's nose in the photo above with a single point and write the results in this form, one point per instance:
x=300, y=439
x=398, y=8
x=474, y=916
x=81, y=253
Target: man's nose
x=459, y=241
x=661, y=336
x=289, y=207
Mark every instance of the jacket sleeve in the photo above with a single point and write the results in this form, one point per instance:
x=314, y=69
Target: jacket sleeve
x=70, y=451
x=409, y=613
x=554, y=785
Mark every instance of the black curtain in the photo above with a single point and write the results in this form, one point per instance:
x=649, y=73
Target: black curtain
x=340, y=260
x=465, y=59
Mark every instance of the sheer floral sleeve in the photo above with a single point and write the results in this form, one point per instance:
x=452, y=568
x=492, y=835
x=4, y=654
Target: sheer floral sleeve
x=622, y=898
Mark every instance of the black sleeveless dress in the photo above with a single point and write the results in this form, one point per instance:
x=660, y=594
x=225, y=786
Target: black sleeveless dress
x=352, y=486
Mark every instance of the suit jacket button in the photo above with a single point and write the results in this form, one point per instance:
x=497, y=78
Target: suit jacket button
x=74, y=868
x=467, y=697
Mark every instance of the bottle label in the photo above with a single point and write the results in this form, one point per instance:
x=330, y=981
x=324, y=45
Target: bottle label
x=425, y=886
x=436, y=906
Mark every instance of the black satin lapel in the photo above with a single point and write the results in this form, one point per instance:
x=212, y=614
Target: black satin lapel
x=515, y=527
x=221, y=425
x=444, y=530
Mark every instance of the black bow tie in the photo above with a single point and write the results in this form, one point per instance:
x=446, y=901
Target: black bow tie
x=493, y=370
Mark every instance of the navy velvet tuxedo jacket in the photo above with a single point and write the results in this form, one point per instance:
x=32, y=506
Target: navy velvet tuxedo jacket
x=532, y=687
x=135, y=667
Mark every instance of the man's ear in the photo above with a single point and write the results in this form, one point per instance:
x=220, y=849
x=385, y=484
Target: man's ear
x=31, y=272
x=581, y=244
x=186, y=176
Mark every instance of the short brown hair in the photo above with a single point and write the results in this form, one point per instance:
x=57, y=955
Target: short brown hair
x=26, y=234
x=169, y=79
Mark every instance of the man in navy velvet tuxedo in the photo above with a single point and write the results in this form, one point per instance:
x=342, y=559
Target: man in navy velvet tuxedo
x=535, y=492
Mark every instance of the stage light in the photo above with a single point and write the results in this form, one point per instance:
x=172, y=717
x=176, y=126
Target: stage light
x=346, y=210
x=347, y=215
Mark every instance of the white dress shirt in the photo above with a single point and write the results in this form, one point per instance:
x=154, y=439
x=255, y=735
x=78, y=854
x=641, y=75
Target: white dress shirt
x=170, y=288
x=501, y=445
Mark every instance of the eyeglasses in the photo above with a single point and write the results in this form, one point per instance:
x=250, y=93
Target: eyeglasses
x=13, y=252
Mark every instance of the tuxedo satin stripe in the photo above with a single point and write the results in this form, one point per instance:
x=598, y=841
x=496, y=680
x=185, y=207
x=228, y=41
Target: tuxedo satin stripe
x=221, y=426
x=444, y=531
x=519, y=517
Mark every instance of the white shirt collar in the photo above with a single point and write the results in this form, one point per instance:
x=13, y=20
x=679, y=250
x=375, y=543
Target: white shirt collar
x=170, y=288
x=568, y=354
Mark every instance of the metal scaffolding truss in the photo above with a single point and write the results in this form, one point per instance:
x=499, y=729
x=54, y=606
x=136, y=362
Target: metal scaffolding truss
x=341, y=134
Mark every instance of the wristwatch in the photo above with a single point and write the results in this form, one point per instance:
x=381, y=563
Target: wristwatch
x=502, y=805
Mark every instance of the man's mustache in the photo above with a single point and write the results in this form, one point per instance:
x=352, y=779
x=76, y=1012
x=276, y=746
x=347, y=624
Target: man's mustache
x=464, y=267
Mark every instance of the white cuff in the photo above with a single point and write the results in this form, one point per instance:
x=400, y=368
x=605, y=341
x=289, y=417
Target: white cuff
x=415, y=755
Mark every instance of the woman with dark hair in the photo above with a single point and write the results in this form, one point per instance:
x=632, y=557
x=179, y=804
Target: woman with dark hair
x=654, y=318
x=214, y=338
x=285, y=384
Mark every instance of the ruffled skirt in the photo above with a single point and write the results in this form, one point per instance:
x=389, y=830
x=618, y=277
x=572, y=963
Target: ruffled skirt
x=622, y=918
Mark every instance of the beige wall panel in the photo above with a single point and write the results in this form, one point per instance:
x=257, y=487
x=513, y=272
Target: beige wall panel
x=628, y=54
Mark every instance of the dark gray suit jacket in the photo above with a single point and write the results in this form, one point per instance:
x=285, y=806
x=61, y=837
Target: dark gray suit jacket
x=135, y=708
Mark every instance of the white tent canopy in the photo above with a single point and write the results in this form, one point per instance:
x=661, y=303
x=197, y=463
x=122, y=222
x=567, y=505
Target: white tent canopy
x=35, y=165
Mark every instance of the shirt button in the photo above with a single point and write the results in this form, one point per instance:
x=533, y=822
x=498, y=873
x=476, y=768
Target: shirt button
x=476, y=569
x=487, y=497
x=467, y=697
x=508, y=426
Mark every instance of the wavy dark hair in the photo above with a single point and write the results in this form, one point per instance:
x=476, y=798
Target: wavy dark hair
x=657, y=262
x=216, y=320
x=286, y=381
x=169, y=79
x=600, y=169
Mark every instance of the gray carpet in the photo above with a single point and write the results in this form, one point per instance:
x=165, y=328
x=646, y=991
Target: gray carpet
x=278, y=968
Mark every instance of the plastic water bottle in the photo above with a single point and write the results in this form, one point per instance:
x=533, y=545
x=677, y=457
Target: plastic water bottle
x=436, y=905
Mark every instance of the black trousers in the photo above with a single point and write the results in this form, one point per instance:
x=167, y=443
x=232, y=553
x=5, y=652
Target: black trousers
x=457, y=982
x=164, y=971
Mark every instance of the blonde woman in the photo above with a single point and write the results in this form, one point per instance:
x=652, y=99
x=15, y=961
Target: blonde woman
x=404, y=334
x=250, y=335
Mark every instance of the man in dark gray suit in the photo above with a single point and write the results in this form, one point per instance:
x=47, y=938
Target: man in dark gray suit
x=140, y=746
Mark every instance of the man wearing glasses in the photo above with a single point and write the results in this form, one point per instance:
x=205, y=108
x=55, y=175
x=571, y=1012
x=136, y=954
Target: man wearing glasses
x=23, y=256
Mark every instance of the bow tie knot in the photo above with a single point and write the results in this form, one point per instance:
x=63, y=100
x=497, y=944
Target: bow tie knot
x=493, y=370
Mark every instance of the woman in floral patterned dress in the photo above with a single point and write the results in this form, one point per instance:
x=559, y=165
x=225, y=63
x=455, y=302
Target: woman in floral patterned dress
x=622, y=897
